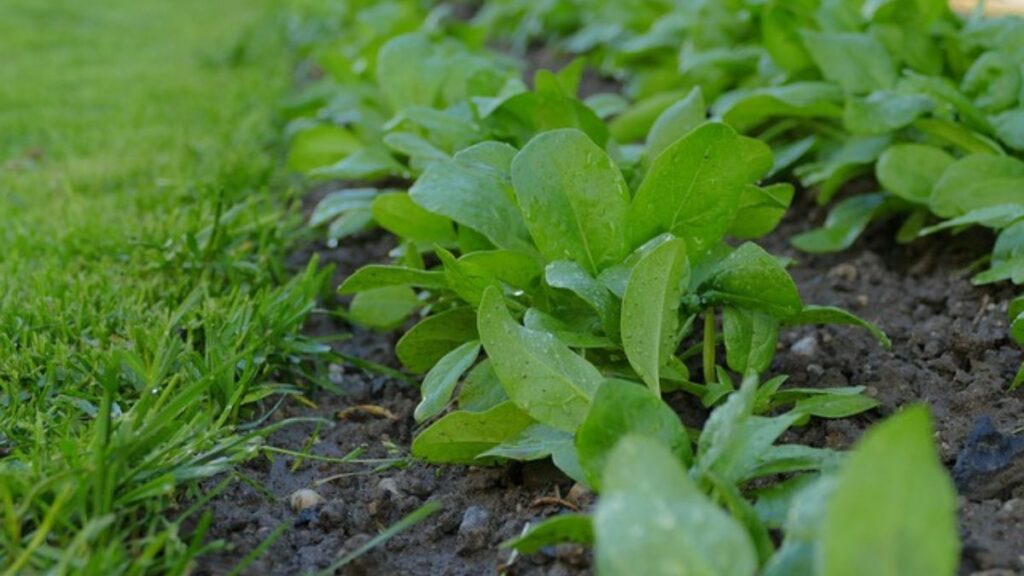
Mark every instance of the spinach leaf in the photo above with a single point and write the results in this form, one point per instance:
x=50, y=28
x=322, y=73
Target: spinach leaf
x=691, y=190
x=440, y=382
x=573, y=198
x=621, y=408
x=460, y=437
x=659, y=523
x=650, y=310
x=753, y=278
x=540, y=374
x=894, y=498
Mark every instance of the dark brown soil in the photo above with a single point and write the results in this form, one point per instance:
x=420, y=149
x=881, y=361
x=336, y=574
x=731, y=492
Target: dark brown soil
x=950, y=350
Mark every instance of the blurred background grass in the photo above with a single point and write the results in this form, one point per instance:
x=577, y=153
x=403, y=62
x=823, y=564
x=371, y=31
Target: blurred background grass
x=144, y=305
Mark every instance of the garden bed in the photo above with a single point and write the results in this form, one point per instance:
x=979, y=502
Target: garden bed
x=950, y=350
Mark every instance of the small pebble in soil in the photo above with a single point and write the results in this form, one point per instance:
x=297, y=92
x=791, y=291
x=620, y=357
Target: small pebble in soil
x=304, y=498
x=332, y=515
x=806, y=347
x=845, y=272
x=474, y=529
x=306, y=517
x=389, y=486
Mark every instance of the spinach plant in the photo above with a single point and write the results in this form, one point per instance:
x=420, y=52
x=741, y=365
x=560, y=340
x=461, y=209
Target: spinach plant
x=887, y=508
x=566, y=278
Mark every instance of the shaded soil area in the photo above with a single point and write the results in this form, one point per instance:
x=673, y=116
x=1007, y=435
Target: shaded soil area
x=950, y=350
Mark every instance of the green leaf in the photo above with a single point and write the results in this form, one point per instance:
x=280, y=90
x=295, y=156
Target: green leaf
x=634, y=123
x=616, y=277
x=840, y=162
x=883, y=111
x=676, y=121
x=622, y=408
x=893, y=511
x=756, y=157
x=806, y=510
x=746, y=109
x=535, y=442
x=517, y=269
x=652, y=520
x=460, y=437
x=811, y=314
x=943, y=90
x=409, y=72
x=650, y=310
x=752, y=278
x=338, y=202
x=780, y=26
x=606, y=104
x=465, y=278
x=1007, y=257
x=857, y=62
x=910, y=171
x=350, y=223
x=474, y=189
x=419, y=150
x=481, y=390
x=735, y=445
x=574, y=335
x=843, y=226
x=572, y=277
x=958, y=135
x=1009, y=127
x=396, y=212
x=321, y=146
x=554, y=530
x=993, y=81
x=540, y=374
x=434, y=337
x=977, y=181
x=437, y=387
x=750, y=339
x=573, y=198
x=549, y=107
x=761, y=209
x=383, y=308
x=692, y=190
x=381, y=275
x=827, y=405
x=369, y=164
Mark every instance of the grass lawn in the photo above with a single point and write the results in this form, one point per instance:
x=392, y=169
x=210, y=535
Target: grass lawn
x=143, y=301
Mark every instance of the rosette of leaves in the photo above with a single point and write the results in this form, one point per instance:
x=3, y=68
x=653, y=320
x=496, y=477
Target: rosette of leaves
x=565, y=277
x=889, y=507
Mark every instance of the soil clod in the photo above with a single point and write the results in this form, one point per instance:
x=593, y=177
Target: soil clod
x=990, y=463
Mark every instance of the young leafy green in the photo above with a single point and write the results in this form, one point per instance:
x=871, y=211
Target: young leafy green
x=892, y=497
x=658, y=522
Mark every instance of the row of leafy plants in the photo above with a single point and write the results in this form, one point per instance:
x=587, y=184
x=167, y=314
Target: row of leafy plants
x=567, y=260
x=925, y=106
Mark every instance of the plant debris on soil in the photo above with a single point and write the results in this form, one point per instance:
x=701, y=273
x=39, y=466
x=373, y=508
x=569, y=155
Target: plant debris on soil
x=950, y=350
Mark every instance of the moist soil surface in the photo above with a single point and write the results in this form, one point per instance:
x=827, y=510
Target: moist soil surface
x=950, y=351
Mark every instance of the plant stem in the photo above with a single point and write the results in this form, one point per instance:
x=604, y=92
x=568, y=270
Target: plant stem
x=710, y=341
